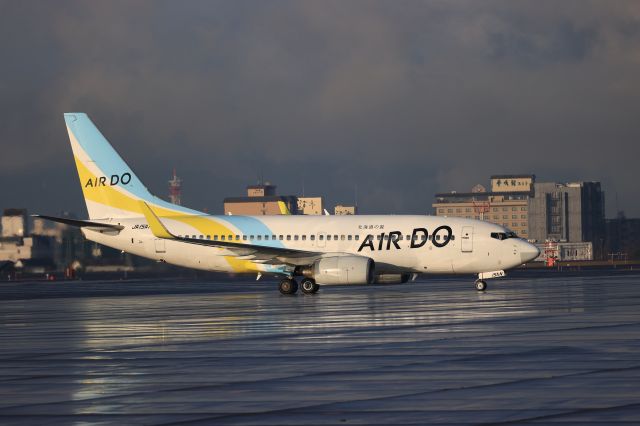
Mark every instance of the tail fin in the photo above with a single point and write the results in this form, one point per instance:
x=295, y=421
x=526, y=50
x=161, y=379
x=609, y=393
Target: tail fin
x=110, y=188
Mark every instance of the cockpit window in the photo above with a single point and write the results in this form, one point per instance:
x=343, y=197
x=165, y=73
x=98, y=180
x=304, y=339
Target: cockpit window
x=503, y=235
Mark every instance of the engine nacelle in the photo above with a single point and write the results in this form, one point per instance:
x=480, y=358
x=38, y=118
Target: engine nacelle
x=344, y=270
x=392, y=278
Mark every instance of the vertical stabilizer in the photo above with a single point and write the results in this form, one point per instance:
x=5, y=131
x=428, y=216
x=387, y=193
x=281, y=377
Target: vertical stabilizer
x=110, y=188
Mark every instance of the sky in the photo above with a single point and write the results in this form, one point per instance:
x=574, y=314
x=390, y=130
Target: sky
x=400, y=99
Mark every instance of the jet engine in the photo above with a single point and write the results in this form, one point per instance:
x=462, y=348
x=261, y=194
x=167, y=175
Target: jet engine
x=342, y=270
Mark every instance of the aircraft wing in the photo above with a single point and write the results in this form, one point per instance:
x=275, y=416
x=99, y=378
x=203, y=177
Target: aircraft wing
x=94, y=226
x=254, y=253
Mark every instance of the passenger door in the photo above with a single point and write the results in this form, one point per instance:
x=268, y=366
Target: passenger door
x=467, y=239
x=160, y=248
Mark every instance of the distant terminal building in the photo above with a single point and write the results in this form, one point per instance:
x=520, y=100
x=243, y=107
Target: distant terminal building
x=341, y=210
x=19, y=247
x=506, y=204
x=310, y=205
x=261, y=200
x=549, y=214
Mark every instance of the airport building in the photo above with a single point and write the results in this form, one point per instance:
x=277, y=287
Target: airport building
x=310, y=205
x=566, y=220
x=623, y=238
x=505, y=204
x=341, y=210
x=261, y=200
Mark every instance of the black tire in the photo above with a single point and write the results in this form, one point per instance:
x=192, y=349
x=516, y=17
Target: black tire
x=309, y=286
x=288, y=286
x=481, y=285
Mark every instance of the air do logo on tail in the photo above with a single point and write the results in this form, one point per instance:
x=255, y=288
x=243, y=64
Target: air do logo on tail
x=113, y=180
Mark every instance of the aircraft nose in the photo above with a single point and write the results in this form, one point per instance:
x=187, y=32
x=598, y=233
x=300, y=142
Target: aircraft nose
x=528, y=252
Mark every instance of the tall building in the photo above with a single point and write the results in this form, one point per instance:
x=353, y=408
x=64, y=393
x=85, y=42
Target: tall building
x=568, y=212
x=505, y=204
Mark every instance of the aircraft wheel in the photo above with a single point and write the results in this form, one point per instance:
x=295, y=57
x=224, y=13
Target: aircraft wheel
x=288, y=286
x=481, y=285
x=309, y=286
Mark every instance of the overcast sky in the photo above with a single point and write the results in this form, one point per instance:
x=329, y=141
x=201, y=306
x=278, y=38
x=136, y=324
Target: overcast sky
x=399, y=98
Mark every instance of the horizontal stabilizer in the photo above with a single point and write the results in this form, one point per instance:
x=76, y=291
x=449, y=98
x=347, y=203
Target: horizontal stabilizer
x=81, y=223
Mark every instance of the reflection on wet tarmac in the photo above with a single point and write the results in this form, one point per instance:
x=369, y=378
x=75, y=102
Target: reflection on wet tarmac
x=551, y=350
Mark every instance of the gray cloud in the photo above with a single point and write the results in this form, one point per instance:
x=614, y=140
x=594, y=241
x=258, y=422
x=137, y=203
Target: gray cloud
x=402, y=99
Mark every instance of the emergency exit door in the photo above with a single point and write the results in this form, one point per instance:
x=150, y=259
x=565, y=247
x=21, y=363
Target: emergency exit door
x=467, y=239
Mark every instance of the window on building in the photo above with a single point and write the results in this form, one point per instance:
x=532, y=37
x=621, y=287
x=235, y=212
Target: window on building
x=513, y=209
x=523, y=216
x=449, y=210
x=505, y=216
x=514, y=216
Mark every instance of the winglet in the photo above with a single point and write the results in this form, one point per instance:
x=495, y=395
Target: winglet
x=157, y=228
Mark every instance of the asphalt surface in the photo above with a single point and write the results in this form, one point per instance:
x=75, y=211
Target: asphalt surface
x=548, y=350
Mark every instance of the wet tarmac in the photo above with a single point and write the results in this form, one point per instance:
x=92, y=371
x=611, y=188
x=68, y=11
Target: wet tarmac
x=550, y=350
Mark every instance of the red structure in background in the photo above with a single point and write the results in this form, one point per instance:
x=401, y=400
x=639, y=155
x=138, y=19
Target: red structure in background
x=175, y=189
x=551, y=253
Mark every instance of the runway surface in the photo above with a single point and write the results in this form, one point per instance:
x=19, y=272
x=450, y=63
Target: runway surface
x=552, y=350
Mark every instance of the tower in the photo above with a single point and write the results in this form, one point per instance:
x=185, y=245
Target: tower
x=175, y=188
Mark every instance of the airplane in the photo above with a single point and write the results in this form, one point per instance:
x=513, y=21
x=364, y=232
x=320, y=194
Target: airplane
x=321, y=250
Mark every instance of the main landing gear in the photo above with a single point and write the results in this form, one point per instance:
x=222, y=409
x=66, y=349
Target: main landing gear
x=309, y=286
x=290, y=286
x=481, y=285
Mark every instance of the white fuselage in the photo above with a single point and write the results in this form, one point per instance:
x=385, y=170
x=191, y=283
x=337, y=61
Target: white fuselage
x=472, y=249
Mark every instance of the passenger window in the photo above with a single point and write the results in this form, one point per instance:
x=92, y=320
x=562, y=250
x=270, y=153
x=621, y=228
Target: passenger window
x=313, y=237
x=244, y=238
x=230, y=237
x=222, y=237
x=304, y=238
x=378, y=237
x=321, y=237
x=237, y=237
x=273, y=237
x=328, y=237
x=349, y=237
x=335, y=237
x=259, y=237
x=295, y=238
x=437, y=237
x=266, y=237
x=280, y=237
x=357, y=237
x=208, y=237
x=288, y=237
x=201, y=236
x=453, y=237
x=342, y=237
x=251, y=237
x=424, y=237
x=215, y=238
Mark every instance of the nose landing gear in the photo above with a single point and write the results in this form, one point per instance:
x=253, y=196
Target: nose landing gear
x=481, y=285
